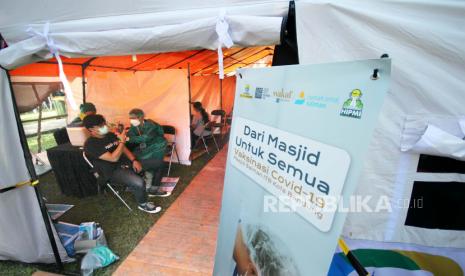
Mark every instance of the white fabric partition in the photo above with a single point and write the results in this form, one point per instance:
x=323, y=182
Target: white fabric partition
x=163, y=95
x=12, y=166
x=229, y=91
x=206, y=89
x=23, y=236
x=425, y=41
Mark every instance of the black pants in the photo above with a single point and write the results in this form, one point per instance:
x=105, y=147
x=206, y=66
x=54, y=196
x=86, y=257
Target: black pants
x=194, y=139
x=133, y=181
x=155, y=166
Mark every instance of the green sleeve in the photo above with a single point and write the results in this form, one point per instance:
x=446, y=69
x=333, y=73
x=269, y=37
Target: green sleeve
x=150, y=134
x=135, y=138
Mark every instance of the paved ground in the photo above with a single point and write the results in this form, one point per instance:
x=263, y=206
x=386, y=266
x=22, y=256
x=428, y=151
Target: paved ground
x=31, y=128
x=183, y=241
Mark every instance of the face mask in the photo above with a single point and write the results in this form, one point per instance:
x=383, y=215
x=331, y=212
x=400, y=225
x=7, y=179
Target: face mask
x=103, y=130
x=134, y=122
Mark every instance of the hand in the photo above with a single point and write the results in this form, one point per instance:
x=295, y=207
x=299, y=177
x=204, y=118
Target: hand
x=137, y=166
x=251, y=270
x=122, y=137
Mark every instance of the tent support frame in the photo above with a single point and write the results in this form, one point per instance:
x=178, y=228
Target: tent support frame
x=84, y=81
x=221, y=94
x=190, y=92
x=32, y=173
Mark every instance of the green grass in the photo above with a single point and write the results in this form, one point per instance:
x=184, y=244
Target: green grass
x=48, y=141
x=123, y=229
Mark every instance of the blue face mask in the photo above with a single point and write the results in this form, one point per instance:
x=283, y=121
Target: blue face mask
x=103, y=130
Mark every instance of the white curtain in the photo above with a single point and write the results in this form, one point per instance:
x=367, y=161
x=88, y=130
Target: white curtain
x=163, y=95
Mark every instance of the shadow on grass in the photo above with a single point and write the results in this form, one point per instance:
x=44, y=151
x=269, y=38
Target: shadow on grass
x=123, y=229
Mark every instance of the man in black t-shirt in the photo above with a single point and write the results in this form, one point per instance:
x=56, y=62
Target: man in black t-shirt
x=114, y=161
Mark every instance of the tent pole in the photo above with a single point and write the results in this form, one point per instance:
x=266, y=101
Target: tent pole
x=221, y=94
x=190, y=95
x=39, y=122
x=32, y=173
x=39, y=130
x=83, y=67
x=84, y=81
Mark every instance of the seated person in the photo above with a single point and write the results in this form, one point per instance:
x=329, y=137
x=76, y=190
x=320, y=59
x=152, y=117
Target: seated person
x=85, y=110
x=114, y=161
x=199, y=120
x=150, y=146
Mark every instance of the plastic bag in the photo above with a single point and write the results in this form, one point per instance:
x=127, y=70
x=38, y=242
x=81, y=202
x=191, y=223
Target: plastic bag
x=97, y=257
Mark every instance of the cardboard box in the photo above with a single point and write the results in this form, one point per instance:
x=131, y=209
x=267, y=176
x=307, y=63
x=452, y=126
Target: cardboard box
x=82, y=246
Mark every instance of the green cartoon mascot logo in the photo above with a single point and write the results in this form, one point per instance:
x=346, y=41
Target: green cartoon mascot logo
x=353, y=106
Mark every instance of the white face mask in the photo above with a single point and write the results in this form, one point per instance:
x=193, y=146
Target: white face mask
x=103, y=130
x=134, y=122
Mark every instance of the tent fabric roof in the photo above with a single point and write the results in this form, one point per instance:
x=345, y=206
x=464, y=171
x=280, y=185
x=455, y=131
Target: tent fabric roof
x=201, y=62
x=16, y=16
x=243, y=31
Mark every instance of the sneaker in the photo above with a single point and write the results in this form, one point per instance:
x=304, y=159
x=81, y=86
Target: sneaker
x=149, y=207
x=154, y=191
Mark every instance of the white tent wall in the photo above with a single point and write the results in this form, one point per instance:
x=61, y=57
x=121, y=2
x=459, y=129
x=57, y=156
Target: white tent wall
x=162, y=94
x=23, y=236
x=12, y=165
x=425, y=41
x=206, y=89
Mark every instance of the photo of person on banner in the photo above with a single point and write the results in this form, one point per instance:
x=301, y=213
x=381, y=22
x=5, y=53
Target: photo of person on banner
x=258, y=252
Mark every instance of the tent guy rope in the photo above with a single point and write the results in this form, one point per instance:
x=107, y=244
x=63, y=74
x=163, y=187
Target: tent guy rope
x=55, y=52
x=224, y=38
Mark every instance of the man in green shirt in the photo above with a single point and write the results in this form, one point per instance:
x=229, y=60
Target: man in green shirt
x=147, y=139
x=85, y=110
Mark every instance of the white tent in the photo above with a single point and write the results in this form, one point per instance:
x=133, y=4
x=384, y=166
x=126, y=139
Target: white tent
x=110, y=28
x=424, y=39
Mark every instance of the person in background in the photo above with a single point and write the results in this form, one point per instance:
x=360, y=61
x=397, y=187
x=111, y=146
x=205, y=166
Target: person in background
x=148, y=140
x=199, y=120
x=85, y=110
x=114, y=162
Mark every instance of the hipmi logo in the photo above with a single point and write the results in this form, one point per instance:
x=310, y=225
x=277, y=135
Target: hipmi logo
x=353, y=106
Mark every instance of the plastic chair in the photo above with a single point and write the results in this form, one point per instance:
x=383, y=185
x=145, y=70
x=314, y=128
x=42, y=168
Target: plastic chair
x=207, y=133
x=221, y=125
x=97, y=176
x=171, y=146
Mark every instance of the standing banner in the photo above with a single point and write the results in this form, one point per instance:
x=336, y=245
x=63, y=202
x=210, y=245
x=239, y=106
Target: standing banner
x=297, y=145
